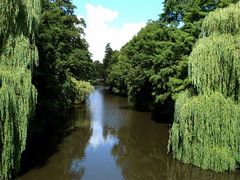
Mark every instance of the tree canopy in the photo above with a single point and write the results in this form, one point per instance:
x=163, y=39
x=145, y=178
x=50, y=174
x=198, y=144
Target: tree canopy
x=63, y=54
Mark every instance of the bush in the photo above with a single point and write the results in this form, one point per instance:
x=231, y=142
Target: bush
x=81, y=89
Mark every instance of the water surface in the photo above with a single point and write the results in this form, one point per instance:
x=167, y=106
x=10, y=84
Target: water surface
x=111, y=141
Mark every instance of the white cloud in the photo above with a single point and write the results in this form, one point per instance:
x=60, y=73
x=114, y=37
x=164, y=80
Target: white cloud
x=99, y=31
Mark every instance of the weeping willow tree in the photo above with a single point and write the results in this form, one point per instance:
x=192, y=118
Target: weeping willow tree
x=206, y=128
x=18, y=54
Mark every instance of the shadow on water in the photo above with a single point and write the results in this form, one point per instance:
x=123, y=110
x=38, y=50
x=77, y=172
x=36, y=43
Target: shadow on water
x=158, y=117
x=161, y=113
x=48, y=131
x=41, y=144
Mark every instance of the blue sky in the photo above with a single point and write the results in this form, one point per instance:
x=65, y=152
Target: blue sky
x=114, y=21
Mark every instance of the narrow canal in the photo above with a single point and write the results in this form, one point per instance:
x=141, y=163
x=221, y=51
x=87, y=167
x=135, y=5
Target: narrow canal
x=111, y=141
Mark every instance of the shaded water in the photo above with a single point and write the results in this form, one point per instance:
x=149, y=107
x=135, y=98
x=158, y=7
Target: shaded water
x=113, y=142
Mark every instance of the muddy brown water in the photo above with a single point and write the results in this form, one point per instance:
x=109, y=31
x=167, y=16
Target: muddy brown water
x=111, y=141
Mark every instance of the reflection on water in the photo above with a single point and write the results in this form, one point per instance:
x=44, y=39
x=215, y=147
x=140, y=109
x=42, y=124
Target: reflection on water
x=112, y=142
x=97, y=113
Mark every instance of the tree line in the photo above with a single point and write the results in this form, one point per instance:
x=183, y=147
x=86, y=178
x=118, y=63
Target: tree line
x=152, y=68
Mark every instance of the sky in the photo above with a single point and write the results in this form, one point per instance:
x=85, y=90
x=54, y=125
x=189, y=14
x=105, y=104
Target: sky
x=114, y=21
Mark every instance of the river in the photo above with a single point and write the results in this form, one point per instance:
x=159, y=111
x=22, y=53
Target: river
x=111, y=141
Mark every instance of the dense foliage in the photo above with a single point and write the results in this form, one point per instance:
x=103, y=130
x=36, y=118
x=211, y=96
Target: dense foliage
x=99, y=70
x=205, y=131
x=152, y=68
x=18, y=96
x=149, y=67
x=81, y=89
x=63, y=55
x=107, y=58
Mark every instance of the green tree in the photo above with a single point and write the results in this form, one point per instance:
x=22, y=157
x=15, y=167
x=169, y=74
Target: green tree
x=107, y=59
x=108, y=55
x=18, y=54
x=158, y=63
x=118, y=74
x=63, y=54
x=99, y=69
x=170, y=66
x=205, y=131
x=190, y=11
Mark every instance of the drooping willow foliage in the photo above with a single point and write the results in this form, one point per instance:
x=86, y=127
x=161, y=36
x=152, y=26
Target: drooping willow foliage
x=206, y=127
x=18, y=22
x=214, y=65
x=223, y=21
x=206, y=131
